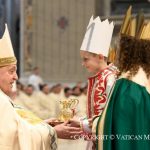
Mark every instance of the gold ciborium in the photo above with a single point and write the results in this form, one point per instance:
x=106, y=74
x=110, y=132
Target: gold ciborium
x=67, y=109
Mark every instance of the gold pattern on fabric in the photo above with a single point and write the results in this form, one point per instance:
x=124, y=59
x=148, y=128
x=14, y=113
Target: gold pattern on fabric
x=7, y=61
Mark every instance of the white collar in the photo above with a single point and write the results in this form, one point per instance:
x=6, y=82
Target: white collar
x=140, y=78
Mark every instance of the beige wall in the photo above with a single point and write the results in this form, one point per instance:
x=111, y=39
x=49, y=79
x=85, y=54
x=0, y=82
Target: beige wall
x=56, y=50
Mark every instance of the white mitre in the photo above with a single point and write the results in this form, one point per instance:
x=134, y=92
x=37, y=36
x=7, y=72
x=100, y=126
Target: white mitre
x=98, y=36
x=7, y=56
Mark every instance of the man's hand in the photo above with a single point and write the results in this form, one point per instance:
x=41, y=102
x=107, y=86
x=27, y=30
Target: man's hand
x=65, y=131
x=51, y=120
x=74, y=122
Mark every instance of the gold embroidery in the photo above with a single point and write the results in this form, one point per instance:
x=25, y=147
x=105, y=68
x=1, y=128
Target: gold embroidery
x=7, y=61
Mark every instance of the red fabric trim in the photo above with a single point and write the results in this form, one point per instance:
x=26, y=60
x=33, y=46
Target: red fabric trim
x=98, y=91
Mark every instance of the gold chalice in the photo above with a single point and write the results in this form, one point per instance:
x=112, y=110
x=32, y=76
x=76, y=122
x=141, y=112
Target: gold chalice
x=67, y=109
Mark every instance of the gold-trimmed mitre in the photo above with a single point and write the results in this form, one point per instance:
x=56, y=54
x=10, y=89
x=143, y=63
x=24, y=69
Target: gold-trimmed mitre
x=7, y=56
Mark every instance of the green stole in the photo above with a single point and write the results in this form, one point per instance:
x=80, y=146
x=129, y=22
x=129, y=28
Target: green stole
x=125, y=122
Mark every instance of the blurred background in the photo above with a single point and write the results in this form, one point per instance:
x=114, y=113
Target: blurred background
x=49, y=33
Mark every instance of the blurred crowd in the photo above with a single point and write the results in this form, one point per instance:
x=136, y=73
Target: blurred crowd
x=44, y=100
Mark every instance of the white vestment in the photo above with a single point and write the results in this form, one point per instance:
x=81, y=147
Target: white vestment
x=18, y=131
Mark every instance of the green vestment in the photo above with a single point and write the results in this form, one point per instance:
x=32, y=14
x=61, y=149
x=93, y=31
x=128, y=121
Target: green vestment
x=126, y=124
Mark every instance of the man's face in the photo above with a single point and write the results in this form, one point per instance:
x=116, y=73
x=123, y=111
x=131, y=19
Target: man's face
x=46, y=89
x=29, y=90
x=36, y=71
x=90, y=61
x=7, y=77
